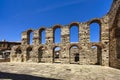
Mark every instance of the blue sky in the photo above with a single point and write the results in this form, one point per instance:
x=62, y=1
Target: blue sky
x=19, y=15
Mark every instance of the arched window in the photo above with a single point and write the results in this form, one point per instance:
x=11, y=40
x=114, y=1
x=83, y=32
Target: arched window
x=94, y=32
x=74, y=34
x=56, y=54
x=74, y=54
x=31, y=37
x=42, y=36
x=57, y=35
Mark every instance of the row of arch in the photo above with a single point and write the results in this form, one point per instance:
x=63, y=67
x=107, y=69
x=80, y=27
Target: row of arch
x=74, y=53
x=95, y=32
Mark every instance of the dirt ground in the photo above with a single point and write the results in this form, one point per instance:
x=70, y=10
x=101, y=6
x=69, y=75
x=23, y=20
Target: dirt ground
x=47, y=71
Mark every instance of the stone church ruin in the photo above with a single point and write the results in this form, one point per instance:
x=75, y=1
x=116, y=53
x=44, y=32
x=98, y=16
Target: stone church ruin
x=106, y=52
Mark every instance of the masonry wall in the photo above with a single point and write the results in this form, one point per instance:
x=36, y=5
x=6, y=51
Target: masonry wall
x=106, y=52
x=114, y=23
x=38, y=52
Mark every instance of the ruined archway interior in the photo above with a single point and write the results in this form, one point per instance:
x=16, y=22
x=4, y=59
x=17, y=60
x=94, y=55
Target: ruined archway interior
x=40, y=54
x=74, y=55
x=56, y=54
x=96, y=55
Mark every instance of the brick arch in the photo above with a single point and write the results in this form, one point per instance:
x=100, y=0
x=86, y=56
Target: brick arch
x=28, y=35
x=56, y=46
x=74, y=24
x=57, y=26
x=29, y=31
x=71, y=45
x=95, y=20
x=28, y=47
x=41, y=46
x=98, y=45
x=41, y=29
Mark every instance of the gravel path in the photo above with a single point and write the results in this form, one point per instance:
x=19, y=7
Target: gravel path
x=47, y=71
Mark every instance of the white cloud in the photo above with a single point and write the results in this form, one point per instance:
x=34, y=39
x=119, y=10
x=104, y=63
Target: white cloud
x=49, y=8
x=52, y=7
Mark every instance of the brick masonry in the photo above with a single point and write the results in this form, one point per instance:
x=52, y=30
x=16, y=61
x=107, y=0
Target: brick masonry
x=106, y=52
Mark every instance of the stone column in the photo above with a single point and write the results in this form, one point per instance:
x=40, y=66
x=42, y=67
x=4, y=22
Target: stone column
x=84, y=43
x=65, y=35
x=49, y=45
x=105, y=41
x=36, y=37
x=24, y=38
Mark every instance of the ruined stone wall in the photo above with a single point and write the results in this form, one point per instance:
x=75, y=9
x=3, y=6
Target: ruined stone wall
x=38, y=52
x=106, y=51
x=114, y=23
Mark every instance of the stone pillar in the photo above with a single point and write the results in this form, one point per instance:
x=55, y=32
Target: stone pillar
x=35, y=54
x=24, y=38
x=65, y=43
x=105, y=41
x=36, y=37
x=84, y=34
x=49, y=44
x=84, y=43
x=24, y=52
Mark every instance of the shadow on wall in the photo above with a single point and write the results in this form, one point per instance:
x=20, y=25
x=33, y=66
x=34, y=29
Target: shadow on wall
x=13, y=76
